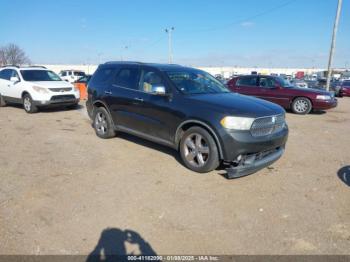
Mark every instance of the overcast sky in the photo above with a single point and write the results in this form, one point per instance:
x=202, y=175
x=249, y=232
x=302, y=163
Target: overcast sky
x=269, y=33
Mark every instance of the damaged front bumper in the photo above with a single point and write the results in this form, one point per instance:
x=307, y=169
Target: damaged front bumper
x=249, y=164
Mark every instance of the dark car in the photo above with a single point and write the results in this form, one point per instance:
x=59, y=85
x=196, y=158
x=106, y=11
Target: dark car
x=189, y=110
x=334, y=86
x=280, y=91
x=345, y=88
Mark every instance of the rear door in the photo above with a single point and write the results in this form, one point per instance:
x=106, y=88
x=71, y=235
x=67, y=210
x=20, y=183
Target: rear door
x=247, y=85
x=125, y=99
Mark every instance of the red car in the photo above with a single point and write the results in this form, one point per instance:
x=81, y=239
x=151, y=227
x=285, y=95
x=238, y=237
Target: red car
x=345, y=88
x=280, y=91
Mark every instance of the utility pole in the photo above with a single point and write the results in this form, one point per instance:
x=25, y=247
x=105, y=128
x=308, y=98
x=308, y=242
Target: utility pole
x=331, y=54
x=169, y=32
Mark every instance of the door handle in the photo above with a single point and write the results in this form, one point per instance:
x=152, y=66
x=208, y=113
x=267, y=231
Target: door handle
x=108, y=92
x=138, y=99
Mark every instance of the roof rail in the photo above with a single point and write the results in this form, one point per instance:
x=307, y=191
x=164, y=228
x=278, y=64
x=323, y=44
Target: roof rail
x=10, y=66
x=37, y=66
x=123, y=62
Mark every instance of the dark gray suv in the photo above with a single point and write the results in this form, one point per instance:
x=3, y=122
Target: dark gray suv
x=190, y=111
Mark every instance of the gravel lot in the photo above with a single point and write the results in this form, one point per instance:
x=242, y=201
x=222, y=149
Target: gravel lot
x=61, y=187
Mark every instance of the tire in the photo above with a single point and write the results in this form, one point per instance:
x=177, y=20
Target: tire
x=28, y=104
x=198, y=150
x=2, y=101
x=103, y=124
x=301, y=106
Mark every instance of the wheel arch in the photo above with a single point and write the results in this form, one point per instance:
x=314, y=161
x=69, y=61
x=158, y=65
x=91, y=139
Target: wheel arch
x=193, y=122
x=99, y=103
x=25, y=93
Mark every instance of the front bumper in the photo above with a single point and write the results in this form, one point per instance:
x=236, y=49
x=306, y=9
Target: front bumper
x=325, y=104
x=254, y=162
x=345, y=92
x=247, y=154
x=59, y=100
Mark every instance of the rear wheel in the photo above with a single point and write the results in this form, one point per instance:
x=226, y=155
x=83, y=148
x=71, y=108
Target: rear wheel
x=301, y=106
x=198, y=150
x=103, y=124
x=2, y=101
x=28, y=104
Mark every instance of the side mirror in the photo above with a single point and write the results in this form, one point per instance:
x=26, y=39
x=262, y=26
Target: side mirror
x=159, y=90
x=14, y=79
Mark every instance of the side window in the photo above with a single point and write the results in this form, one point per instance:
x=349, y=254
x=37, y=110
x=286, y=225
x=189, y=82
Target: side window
x=267, y=82
x=102, y=76
x=128, y=78
x=64, y=73
x=151, y=80
x=6, y=74
x=247, y=81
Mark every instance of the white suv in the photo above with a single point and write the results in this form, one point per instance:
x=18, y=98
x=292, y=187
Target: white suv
x=71, y=75
x=35, y=87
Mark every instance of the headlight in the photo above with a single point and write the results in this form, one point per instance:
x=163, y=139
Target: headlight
x=41, y=89
x=323, y=97
x=237, y=123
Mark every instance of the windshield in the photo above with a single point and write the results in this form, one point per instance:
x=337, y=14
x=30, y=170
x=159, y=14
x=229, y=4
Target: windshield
x=39, y=75
x=191, y=81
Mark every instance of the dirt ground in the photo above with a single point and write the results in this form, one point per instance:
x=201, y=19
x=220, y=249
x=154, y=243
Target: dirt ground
x=65, y=191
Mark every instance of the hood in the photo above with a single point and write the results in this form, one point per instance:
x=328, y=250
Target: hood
x=52, y=84
x=237, y=105
x=310, y=90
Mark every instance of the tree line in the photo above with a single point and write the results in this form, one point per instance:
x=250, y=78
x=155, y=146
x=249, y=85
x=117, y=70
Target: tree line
x=12, y=54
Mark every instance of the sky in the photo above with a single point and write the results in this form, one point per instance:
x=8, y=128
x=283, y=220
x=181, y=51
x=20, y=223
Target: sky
x=248, y=33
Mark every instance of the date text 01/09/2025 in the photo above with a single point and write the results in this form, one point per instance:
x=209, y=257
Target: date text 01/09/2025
x=173, y=258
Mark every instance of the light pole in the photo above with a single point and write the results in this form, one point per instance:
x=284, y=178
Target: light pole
x=169, y=32
x=334, y=36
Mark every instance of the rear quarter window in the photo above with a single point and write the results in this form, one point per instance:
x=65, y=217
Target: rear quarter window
x=102, y=76
x=247, y=81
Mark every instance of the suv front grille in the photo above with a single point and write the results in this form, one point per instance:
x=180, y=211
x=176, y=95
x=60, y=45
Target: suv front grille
x=267, y=125
x=63, y=98
x=63, y=89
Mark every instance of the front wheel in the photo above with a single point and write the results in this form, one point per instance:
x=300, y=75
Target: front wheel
x=103, y=124
x=28, y=104
x=301, y=106
x=198, y=150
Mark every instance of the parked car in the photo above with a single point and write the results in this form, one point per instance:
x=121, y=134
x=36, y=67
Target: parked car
x=299, y=83
x=81, y=85
x=35, y=87
x=280, y=91
x=189, y=110
x=345, y=88
x=334, y=86
x=71, y=75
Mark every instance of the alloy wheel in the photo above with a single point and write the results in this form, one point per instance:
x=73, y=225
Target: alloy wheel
x=101, y=123
x=196, y=150
x=301, y=106
x=27, y=104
